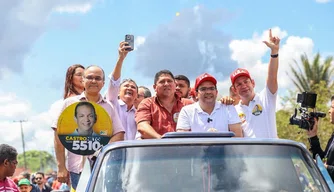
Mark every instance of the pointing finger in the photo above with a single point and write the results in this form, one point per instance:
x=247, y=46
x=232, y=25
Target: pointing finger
x=270, y=34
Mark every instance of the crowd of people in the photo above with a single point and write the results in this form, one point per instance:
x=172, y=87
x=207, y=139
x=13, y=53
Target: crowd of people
x=25, y=181
x=136, y=113
x=176, y=106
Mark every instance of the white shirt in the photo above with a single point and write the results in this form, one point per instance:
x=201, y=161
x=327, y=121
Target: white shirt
x=127, y=116
x=259, y=117
x=194, y=118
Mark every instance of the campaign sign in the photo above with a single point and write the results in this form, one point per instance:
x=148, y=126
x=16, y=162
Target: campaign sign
x=84, y=127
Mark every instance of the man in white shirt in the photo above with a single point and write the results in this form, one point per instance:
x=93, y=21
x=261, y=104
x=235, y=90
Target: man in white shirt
x=208, y=114
x=257, y=111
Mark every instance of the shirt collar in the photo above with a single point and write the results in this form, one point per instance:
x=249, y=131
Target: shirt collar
x=255, y=99
x=82, y=97
x=200, y=110
x=122, y=103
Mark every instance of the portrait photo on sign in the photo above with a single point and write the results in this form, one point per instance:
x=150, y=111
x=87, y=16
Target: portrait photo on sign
x=84, y=127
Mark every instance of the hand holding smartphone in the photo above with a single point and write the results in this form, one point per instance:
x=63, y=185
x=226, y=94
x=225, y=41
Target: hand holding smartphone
x=130, y=40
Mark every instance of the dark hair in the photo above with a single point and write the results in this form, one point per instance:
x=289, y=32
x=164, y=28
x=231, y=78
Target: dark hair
x=97, y=67
x=184, y=78
x=84, y=103
x=162, y=72
x=7, y=152
x=69, y=87
x=129, y=80
x=147, y=92
x=40, y=173
x=332, y=98
x=25, y=174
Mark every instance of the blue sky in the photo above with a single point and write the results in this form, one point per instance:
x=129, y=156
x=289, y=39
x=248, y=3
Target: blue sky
x=40, y=41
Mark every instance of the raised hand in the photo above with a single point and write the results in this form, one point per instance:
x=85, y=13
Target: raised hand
x=273, y=43
x=122, y=52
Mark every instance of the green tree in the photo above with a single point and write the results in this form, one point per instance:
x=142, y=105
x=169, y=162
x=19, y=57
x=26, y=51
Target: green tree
x=293, y=132
x=37, y=161
x=311, y=74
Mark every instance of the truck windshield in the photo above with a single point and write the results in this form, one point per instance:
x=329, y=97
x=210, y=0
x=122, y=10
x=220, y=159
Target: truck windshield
x=207, y=168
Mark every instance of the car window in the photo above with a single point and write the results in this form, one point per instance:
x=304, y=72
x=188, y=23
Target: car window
x=204, y=168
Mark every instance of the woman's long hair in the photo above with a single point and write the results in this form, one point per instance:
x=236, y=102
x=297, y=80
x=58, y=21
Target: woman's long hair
x=69, y=86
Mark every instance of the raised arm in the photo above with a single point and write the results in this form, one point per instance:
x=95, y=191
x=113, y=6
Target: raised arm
x=113, y=87
x=122, y=53
x=273, y=44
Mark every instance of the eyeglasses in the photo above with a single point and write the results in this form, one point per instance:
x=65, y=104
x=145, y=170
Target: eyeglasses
x=91, y=78
x=204, y=89
x=38, y=178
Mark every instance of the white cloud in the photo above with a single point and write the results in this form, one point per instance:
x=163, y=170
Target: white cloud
x=250, y=54
x=323, y=1
x=139, y=40
x=30, y=17
x=74, y=8
x=290, y=51
x=37, y=131
x=12, y=107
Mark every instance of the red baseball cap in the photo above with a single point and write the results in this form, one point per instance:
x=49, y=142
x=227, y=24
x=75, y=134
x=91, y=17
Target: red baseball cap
x=204, y=77
x=238, y=73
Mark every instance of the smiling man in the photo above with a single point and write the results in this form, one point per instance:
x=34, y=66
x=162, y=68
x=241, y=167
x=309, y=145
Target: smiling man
x=208, y=114
x=93, y=80
x=123, y=94
x=85, y=116
x=158, y=115
x=257, y=111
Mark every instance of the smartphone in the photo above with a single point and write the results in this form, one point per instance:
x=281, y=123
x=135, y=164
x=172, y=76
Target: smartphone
x=131, y=42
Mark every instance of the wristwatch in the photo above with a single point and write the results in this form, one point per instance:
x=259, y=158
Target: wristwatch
x=274, y=56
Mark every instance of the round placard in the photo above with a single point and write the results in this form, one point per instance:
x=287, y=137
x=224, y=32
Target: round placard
x=83, y=127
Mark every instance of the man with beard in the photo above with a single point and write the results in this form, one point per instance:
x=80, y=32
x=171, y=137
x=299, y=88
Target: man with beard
x=182, y=86
x=40, y=181
x=158, y=115
x=208, y=114
x=127, y=91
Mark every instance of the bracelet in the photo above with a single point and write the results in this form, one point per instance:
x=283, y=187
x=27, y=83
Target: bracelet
x=274, y=56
